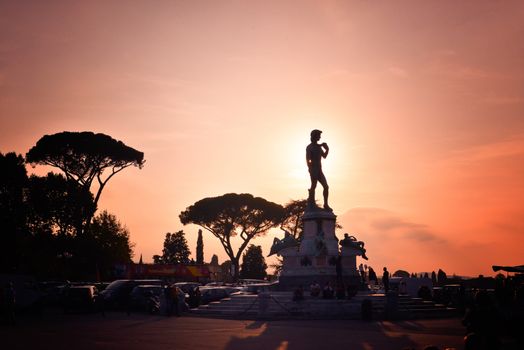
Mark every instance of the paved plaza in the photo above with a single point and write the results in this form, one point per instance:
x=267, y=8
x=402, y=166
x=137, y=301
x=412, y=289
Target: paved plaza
x=138, y=331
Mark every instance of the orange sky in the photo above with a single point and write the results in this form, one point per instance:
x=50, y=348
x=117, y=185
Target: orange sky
x=422, y=104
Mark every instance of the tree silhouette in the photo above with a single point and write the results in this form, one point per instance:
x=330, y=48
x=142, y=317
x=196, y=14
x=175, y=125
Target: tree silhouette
x=105, y=244
x=13, y=210
x=226, y=271
x=175, y=249
x=214, y=260
x=401, y=273
x=200, y=249
x=277, y=266
x=292, y=221
x=441, y=277
x=84, y=157
x=57, y=205
x=233, y=215
x=253, y=263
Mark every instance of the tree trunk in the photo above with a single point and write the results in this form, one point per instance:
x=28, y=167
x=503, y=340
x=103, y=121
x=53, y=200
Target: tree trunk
x=235, y=266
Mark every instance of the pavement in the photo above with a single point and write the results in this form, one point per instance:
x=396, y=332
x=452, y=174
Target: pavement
x=55, y=330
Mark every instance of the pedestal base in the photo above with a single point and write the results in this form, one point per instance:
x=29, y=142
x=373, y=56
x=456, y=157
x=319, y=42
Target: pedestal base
x=290, y=283
x=318, y=255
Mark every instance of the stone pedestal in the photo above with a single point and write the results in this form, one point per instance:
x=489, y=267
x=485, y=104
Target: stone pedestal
x=315, y=259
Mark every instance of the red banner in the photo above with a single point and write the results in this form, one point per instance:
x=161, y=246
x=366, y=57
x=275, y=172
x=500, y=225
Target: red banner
x=178, y=271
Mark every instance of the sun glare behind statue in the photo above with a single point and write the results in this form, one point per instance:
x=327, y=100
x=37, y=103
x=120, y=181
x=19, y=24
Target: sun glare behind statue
x=294, y=157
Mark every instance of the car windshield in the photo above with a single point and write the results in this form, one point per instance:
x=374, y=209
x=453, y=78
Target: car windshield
x=115, y=285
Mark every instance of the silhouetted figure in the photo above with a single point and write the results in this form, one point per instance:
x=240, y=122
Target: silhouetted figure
x=175, y=302
x=385, y=280
x=152, y=303
x=482, y=322
x=362, y=273
x=194, y=298
x=338, y=267
x=372, y=275
x=128, y=304
x=168, y=300
x=314, y=289
x=10, y=303
x=100, y=304
x=328, y=292
x=298, y=294
x=314, y=155
x=340, y=290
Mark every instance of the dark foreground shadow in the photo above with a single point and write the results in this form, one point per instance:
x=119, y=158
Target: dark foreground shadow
x=319, y=335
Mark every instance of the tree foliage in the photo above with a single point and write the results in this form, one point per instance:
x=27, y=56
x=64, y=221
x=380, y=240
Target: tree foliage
x=200, y=249
x=84, y=157
x=176, y=250
x=105, y=244
x=277, y=266
x=253, y=263
x=57, y=205
x=292, y=220
x=433, y=278
x=225, y=267
x=111, y=237
x=214, y=260
x=234, y=215
x=13, y=210
x=41, y=218
x=441, y=277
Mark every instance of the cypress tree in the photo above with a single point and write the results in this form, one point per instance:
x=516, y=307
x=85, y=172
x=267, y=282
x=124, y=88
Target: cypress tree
x=200, y=249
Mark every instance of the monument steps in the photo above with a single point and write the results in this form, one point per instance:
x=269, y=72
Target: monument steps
x=280, y=305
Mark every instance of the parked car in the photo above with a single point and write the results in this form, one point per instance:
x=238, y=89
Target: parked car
x=146, y=297
x=187, y=287
x=214, y=284
x=247, y=281
x=255, y=288
x=117, y=293
x=209, y=294
x=80, y=298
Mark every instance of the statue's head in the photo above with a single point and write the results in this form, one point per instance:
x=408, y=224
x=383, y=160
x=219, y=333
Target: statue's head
x=315, y=135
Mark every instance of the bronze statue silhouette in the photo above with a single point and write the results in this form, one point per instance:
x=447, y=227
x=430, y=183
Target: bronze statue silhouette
x=351, y=242
x=314, y=154
x=286, y=242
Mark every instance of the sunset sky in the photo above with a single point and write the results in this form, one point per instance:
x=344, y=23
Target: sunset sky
x=421, y=103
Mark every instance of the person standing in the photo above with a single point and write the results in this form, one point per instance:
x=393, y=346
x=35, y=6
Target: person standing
x=174, y=300
x=372, y=276
x=385, y=280
x=362, y=273
x=10, y=303
x=168, y=300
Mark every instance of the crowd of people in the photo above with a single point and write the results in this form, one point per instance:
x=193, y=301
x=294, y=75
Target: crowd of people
x=338, y=289
x=492, y=317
